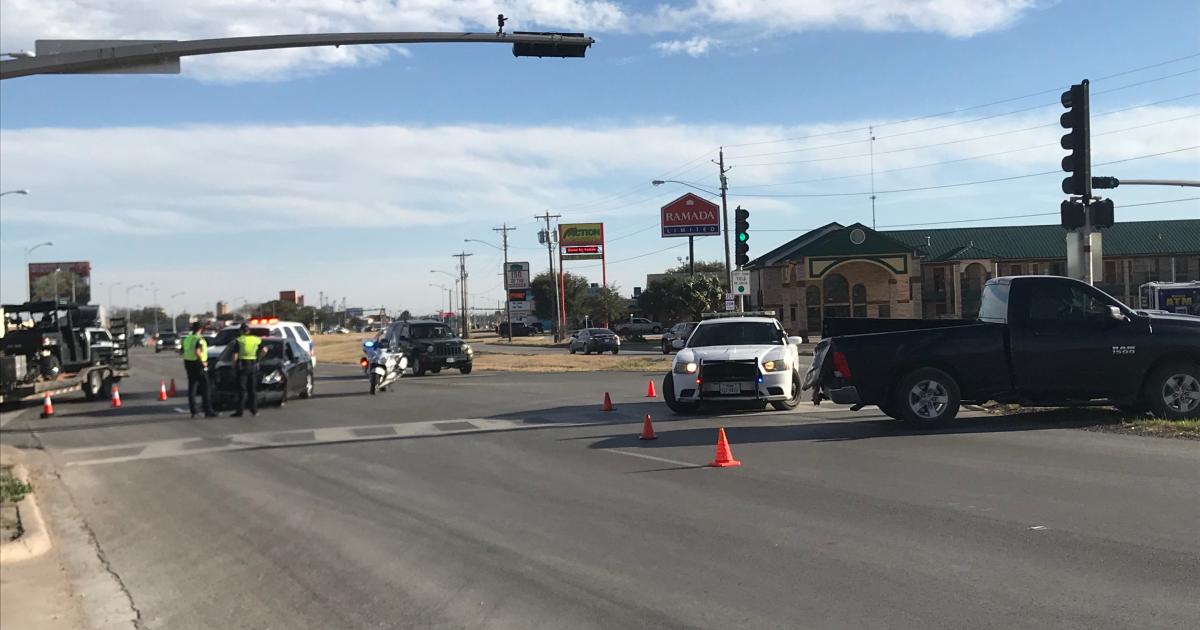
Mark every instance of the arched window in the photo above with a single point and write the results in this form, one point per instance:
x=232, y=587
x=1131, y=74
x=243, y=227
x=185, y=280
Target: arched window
x=858, y=300
x=837, y=296
x=812, y=304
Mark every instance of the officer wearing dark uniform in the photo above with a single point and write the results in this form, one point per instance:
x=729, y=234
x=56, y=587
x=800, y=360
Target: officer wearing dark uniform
x=195, y=363
x=246, y=355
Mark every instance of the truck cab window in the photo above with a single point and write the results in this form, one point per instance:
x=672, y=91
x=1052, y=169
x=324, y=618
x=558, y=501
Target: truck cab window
x=1059, y=305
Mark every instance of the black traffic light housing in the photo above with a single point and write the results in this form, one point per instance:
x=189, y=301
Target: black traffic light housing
x=1073, y=214
x=566, y=45
x=1103, y=213
x=1077, y=140
x=741, y=231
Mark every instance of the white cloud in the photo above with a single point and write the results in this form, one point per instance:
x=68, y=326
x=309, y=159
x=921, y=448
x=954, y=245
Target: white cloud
x=694, y=47
x=26, y=20
x=124, y=185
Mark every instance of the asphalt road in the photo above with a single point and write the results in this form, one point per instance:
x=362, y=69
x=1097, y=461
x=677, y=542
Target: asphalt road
x=627, y=349
x=510, y=501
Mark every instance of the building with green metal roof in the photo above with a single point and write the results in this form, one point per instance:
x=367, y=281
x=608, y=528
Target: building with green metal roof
x=853, y=271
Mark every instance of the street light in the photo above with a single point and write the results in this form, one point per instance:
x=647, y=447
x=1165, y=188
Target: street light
x=660, y=182
x=28, y=251
x=56, y=270
x=128, y=308
x=449, y=298
x=475, y=240
x=174, y=326
x=19, y=191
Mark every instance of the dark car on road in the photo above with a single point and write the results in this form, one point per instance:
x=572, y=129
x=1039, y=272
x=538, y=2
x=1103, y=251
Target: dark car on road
x=284, y=372
x=168, y=341
x=519, y=329
x=681, y=332
x=589, y=340
x=1038, y=341
x=430, y=346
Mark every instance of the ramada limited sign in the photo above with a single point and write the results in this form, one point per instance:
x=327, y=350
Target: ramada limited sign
x=691, y=215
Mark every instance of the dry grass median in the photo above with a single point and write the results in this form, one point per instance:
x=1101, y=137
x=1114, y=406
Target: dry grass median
x=348, y=349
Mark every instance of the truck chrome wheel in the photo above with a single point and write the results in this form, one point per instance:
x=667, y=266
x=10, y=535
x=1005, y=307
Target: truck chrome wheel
x=1181, y=393
x=928, y=399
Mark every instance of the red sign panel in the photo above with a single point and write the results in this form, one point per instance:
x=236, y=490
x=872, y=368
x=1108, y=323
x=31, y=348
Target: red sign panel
x=582, y=249
x=519, y=295
x=691, y=215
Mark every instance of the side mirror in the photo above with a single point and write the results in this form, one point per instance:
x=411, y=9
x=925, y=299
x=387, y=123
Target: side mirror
x=677, y=344
x=795, y=341
x=1115, y=313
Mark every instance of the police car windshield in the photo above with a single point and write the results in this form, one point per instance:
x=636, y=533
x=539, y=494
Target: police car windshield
x=431, y=331
x=736, y=334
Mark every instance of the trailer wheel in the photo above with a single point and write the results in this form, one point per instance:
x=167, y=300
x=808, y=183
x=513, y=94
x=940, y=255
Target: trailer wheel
x=926, y=398
x=106, y=385
x=91, y=387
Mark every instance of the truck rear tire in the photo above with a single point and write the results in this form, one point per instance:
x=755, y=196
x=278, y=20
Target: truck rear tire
x=91, y=387
x=1173, y=391
x=925, y=398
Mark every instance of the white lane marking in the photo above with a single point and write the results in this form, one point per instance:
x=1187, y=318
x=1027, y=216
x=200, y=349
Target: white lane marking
x=654, y=458
x=1038, y=527
x=179, y=410
x=178, y=447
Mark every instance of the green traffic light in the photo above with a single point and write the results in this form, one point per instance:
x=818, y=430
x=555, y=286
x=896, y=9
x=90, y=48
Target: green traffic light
x=743, y=237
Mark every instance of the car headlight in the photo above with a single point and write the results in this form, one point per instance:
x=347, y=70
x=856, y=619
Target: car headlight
x=776, y=365
x=429, y=347
x=686, y=367
x=467, y=349
x=272, y=378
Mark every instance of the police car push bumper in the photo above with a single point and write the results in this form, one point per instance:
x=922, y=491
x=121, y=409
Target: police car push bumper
x=772, y=380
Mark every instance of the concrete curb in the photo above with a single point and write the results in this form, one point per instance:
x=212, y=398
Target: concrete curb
x=34, y=540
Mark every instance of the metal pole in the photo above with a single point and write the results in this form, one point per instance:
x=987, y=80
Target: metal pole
x=1190, y=183
x=462, y=296
x=691, y=255
x=504, y=230
x=725, y=219
x=871, y=132
x=557, y=328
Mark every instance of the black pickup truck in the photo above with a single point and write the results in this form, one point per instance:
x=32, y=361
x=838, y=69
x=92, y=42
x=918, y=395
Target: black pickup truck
x=1039, y=341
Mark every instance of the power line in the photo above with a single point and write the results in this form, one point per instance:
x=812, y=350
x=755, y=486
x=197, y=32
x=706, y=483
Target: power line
x=965, y=109
x=959, y=184
x=965, y=159
x=999, y=218
x=971, y=139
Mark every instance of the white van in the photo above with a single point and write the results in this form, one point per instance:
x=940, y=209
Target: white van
x=266, y=327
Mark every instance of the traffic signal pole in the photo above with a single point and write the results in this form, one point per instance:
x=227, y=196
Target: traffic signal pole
x=507, y=302
x=725, y=218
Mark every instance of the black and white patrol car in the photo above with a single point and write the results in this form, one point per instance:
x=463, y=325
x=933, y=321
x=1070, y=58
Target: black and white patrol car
x=734, y=357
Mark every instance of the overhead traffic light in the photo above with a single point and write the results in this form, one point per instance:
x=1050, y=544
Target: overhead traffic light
x=563, y=45
x=1077, y=140
x=741, y=232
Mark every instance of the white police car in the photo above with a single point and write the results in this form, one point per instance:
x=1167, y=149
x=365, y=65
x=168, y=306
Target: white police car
x=735, y=357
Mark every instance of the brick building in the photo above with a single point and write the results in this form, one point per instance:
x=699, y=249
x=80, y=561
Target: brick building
x=854, y=271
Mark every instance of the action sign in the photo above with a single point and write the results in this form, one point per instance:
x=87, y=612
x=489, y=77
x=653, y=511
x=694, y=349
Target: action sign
x=516, y=275
x=691, y=215
x=741, y=282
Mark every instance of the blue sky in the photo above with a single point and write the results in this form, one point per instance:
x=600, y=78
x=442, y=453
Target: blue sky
x=355, y=171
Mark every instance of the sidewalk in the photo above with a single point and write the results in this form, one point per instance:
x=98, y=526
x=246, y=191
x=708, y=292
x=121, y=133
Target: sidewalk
x=35, y=594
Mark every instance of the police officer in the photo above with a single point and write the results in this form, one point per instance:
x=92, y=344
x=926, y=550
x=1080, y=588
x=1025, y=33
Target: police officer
x=246, y=354
x=195, y=362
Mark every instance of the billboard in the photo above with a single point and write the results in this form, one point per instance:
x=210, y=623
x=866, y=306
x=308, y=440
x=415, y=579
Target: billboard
x=580, y=234
x=516, y=275
x=690, y=215
x=73, y=281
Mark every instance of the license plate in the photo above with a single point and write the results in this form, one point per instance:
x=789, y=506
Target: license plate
x=450, y=360
x=731, y=388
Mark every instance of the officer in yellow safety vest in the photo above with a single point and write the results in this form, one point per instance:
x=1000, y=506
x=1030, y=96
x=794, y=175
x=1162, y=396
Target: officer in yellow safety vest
x=246, y=354
x=195, y=363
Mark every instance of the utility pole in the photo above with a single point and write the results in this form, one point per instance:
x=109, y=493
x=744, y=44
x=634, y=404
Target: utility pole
x=553, y=282
x=462, y=298
x=725, y=217
x=871, y=133
x=507, y=303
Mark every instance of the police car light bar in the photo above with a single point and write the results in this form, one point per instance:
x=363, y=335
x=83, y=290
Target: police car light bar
x=726, y=314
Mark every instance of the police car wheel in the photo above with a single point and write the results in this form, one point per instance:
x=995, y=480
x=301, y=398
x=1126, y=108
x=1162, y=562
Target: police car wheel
x=794, y=401
x=673, y=404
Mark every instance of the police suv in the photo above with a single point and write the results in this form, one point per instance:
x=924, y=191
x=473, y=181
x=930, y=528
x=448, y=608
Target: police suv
x=735, y=357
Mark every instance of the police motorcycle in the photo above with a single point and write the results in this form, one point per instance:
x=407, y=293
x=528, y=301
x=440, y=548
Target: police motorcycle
x=382, y=365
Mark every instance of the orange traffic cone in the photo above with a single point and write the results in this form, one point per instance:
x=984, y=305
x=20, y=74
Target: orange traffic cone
x=116, y=399
x=607, y=406
x=171, y=391
x=648, y=429
x=162, y=390
x=47, y=406
x=724, y=455
x=650, y=389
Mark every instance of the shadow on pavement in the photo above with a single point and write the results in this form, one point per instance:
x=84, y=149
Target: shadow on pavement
x=839, y=431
